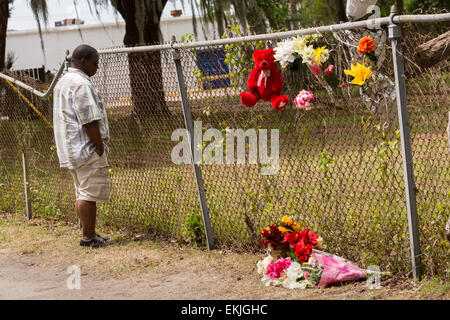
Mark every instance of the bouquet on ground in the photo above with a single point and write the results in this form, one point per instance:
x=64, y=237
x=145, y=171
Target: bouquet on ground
x=288, y=273
x=299, y=263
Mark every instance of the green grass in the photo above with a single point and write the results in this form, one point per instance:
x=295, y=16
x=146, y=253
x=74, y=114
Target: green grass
x=436, y=286
x=356, y=204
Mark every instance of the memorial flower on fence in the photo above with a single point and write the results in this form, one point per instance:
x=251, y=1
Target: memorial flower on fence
x=303, y=99
x=360, y=73
x=367, y=47
x=284, y=53
x=300, y=48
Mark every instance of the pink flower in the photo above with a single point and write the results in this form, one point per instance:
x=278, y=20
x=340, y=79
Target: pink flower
x=315, y=68
x=303, y=99
x=275, y=269
x=329, y=70
x=306, y=275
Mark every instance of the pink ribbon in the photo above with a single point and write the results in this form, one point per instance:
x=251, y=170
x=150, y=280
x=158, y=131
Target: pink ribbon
x=265, y=74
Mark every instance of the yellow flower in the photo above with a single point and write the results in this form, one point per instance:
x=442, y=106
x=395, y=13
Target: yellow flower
x=296, y=227
x=360, y=73
x=287, y=221
x=318, y=54
x=283, y=230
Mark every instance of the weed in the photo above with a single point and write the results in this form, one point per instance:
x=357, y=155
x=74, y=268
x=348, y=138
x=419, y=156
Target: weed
x=193, y=230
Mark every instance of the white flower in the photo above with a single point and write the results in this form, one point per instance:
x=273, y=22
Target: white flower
x=262, y=264
x=307, y=54
x=293, y=276
x=283, y=53
x=324, y=55
x=269, y=282
x=299, y=43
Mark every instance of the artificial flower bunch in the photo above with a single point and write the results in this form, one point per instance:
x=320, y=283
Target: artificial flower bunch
x=301, y=49
x=273, y=235
x=288, y=235
x=303, y=99
x=367, y=47
x=360, y=72
x=322, y=269
x=288, y=273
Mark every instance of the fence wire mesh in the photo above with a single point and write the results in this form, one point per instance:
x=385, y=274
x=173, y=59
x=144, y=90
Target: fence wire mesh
x=340, y=163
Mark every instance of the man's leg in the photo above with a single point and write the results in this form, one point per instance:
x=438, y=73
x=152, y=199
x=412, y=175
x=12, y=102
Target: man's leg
x=87, y=211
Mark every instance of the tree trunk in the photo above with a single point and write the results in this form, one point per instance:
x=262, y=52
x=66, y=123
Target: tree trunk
x=4, y=15
x=241, y=9
x=433, y=51
x=218, y=13
x=294, y=12
x=255, y=18
x=142, y=27
x=328, y=5
x=340, y=10
x=400, y=6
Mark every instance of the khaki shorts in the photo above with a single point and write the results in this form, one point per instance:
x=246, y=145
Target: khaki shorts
x=91, y=180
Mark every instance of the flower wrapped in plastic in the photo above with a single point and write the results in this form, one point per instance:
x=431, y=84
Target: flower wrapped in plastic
x=322, y=269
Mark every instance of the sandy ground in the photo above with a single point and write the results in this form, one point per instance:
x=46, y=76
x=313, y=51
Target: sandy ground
x=35, y=256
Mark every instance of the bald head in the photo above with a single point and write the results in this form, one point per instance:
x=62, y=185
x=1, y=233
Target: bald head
x=85, y=58
x=83, y=51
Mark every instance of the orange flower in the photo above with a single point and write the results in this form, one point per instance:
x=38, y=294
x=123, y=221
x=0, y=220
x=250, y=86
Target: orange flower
x=366, y=45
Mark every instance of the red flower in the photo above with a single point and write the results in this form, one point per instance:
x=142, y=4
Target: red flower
x=292, y=238
x=273, y=236
x=344, y=85
x=329, y=70
x=303, y=252
x=309, y=238
x=301, y=243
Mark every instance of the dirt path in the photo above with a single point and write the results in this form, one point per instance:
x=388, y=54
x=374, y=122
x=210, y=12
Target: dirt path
x=23, y=278
x=34, y=257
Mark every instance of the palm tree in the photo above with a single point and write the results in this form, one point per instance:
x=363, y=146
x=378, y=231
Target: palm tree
x=142, y=19
x=4, y=16
x=142, y=27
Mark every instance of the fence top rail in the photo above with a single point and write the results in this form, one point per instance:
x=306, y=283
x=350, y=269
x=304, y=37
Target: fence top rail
x=41, y=95
x=397, y=19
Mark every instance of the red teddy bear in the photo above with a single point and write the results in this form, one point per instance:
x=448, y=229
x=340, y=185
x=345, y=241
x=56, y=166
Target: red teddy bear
x=265, y=82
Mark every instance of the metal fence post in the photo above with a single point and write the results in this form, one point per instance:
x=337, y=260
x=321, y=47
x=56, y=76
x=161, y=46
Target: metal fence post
x=400, y=86
x=189, y=127
x=26, y=182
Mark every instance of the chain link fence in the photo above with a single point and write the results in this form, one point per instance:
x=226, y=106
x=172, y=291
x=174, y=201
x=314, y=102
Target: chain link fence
x=340, y=163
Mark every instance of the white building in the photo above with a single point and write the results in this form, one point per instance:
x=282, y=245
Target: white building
x=27, y=50
x=28, y=53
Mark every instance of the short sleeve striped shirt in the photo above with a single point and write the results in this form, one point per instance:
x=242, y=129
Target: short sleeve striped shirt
x=75, y=103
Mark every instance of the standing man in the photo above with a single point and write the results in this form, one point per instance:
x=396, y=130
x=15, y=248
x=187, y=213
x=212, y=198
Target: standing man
x=81, y=136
